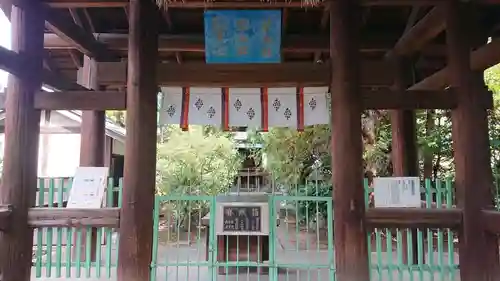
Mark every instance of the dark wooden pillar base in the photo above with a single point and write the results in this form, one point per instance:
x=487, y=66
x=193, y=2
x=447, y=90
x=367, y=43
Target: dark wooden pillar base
x=136, y=224
x=478, y=250
x=404, y=144
x=351, y=249
x=22, y=128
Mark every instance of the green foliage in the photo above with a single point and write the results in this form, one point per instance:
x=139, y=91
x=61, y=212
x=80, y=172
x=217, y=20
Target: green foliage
x=306, y=210
x=201, y=161
x=292, y=156
x=196, y=162
x=492, y=79
x=117, y=116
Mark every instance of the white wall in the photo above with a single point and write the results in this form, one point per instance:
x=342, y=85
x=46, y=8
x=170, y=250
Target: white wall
x=118, y=147
x=62, y=154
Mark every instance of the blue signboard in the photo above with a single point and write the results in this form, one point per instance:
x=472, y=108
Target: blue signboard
x=243, y=36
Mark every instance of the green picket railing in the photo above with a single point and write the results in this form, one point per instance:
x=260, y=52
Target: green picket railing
x=179, y=246
x=435, y=254
x=58, y=250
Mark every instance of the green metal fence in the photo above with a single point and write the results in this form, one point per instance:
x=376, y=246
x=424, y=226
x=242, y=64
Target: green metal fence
x=185, y=246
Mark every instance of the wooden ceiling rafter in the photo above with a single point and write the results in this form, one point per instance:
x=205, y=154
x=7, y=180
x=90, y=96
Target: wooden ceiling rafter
x=77, y=36
x=89, y=21
x=325, y=17
x=76, y=57
x=419, y=34
x=201, y=4
x=412, y=18
x=125, y=10
x=48, y=62
x=12, y=62
x=195, y=43
x=480, y=59
x=76, y=18
x=168, y=19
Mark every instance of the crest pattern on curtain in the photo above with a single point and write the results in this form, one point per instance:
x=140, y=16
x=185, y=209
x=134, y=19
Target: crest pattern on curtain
x=252, y=107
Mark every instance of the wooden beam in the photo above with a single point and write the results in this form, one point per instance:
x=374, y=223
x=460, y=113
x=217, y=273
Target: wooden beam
x=78, y=37
x=80, y=100
x=412, y=100
x=323, y=24
x=136, y=231
x=480, y=59
x=248, y=75
x=491, y=221
x=196, y=43
x=371, y=99
x=60, y=83
x=10, y=61
x=80, y=218
x=93, y=123
x=76, y=18
x=413, y=218
x=5, y=213
x=22, y=127
x=412, y=18
x=351, y=249
x=427, y=28
x=87, y=3
x=89, y=20
x=13, y=63
x=201, y=4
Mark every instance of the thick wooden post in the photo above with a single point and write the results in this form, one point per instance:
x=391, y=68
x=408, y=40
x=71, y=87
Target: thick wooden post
x=404, y=144
x=136, y=223
x=478, y=250
x=92, y=144
x=93, y=123
x=22, y=128
x=351, y=251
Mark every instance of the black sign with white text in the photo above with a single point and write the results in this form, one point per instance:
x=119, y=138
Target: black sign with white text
x=242, y=218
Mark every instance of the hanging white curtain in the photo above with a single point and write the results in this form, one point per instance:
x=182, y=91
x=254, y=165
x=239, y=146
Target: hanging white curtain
x=171, y=108
x=282, y=107
x=205, y=106
x=315, y=106
x=245, y=108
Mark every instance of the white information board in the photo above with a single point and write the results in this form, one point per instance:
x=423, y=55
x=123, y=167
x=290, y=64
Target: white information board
x=397, y=192
x=88, y=187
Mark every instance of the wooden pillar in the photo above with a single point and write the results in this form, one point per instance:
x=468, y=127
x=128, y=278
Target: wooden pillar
x=22, y=128
x=93, y=123
x=478, y=250
x=404, y=143
x=136, y=223
x=351, y=251
x=108, y=153
x=92, y=136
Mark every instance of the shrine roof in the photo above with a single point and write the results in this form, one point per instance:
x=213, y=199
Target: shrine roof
x=305, y=30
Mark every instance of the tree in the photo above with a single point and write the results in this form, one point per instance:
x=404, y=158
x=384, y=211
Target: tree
x=197, y=162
